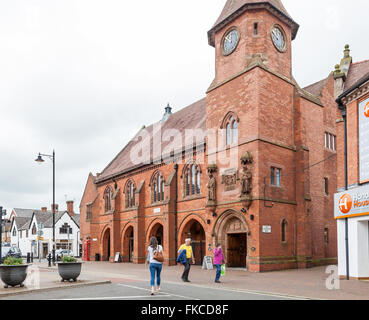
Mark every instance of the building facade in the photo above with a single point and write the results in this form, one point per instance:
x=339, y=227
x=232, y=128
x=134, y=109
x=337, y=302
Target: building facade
x=249, y=166
x=26, y=224
x=352, y=199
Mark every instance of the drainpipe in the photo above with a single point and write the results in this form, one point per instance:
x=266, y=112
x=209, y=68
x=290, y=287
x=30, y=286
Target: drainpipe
x=344, y=115
x=175, y=210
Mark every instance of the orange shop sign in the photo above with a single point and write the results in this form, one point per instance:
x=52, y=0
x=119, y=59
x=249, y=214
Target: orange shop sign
x=352, y=203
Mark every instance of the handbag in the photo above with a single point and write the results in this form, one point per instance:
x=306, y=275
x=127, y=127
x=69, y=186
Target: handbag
x=223, y=270
x=158, y=256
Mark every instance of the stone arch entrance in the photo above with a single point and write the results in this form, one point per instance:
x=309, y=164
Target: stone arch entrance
x=194, y=230
x=231, y=231
x=128, y=244
x=157, y=231
x=106, y=245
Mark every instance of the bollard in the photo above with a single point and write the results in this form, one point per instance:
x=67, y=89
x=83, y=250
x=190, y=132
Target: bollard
x=32, y=257
x=28, y=257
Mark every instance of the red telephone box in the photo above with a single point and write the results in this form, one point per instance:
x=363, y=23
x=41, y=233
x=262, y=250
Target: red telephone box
x=86, y=250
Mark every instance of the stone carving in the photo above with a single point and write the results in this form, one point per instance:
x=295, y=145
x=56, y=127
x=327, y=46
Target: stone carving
x=212, y=184
x=246, y=180
x=229, y=179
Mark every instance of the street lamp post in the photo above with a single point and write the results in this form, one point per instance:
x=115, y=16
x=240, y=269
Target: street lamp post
x=40, y=160
x=2, y=212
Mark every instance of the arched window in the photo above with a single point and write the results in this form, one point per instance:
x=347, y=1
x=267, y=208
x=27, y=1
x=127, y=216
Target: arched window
x=157, y=188
x=230, y=124
x=107, y=199
x=284, y=230
x=192, y=179
x=14, y=232
x=130, y=194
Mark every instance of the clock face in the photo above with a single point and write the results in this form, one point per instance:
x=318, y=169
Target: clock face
x=230, y=41
x=279, y=39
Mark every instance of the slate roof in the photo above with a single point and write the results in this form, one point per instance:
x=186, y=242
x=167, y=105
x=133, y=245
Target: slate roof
x=22, y=223
x=317, y=87
x=357, y=71
x=234, y=8
x=191, y=117
x=24, y=212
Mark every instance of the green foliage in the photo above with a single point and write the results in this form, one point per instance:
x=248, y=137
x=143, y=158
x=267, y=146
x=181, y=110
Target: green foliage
x=10, y=261
x=69, y=259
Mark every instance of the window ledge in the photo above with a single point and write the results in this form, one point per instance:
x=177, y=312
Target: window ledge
x=192, y=197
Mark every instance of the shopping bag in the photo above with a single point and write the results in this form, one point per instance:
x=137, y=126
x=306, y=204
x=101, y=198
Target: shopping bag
x=223, y=270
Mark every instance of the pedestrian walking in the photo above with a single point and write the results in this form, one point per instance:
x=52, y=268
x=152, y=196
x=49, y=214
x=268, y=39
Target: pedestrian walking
x=155, y=258
x=218, y=261
x=189, y=257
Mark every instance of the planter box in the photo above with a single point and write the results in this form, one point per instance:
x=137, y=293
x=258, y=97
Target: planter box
x=69, y=271
x=13, y=275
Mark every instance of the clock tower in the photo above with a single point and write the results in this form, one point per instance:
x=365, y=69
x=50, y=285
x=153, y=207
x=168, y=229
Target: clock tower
x=248, y=31
x=253, y=93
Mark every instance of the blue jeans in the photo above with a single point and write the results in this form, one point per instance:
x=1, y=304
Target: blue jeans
x=155, y=268
x=219, y=269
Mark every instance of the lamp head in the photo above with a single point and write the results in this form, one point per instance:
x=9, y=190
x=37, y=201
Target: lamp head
x=39, y=159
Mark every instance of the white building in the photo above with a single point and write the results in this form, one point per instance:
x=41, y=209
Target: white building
x=26, y=225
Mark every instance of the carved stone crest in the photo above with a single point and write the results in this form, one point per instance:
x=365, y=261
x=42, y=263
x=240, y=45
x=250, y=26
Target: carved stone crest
x=229, y=179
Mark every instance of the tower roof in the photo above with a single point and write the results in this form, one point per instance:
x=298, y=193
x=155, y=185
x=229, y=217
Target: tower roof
x=234, y=8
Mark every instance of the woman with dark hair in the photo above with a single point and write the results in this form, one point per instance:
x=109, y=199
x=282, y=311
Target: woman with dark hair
x=155, y=258
x=218, y=261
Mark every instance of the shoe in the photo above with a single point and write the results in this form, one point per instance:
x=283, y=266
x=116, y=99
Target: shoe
x=186, y=280
x=152, y=293
x=217, y=281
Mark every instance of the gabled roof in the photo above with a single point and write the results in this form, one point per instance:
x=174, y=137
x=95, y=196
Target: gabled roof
x=191, y=117
x=357, y=71
x=22, y=222
x=234, y=8
x=23, y=212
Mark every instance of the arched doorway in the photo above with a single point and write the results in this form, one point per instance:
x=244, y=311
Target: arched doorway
x=106, y=246
x=194, y=230
x=231, y=231
x=158, y=232
x=128, y=245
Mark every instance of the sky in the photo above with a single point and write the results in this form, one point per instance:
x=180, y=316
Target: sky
x=81, y=77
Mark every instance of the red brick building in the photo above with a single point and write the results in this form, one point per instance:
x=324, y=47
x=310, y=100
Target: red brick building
x=352, y=199
x=271, y=205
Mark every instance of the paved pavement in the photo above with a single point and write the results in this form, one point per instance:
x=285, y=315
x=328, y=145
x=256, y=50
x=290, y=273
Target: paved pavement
x=140, y=291
x=131, y=281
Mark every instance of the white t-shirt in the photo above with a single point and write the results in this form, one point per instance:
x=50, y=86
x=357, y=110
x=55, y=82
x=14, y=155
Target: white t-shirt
x=151, y=254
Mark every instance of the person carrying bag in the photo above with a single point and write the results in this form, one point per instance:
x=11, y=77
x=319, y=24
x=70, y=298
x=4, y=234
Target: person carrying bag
x=156, y=258
x=219, y=262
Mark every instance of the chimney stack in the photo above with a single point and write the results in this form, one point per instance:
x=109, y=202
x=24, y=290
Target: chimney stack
x=44, y=209
x=56, y=208
x=70, y=208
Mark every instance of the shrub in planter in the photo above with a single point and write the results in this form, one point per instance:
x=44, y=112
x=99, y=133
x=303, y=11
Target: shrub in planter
x=13, y=272
x=69, y=269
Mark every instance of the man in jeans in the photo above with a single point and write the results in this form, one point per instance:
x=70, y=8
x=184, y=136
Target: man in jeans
x=189, y=255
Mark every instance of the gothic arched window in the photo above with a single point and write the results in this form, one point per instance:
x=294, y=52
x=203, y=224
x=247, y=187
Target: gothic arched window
x=34, y=229
x=230, y=124
x=130, y=194
x=157, y=187
x=107, y=198
x=192, y=179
